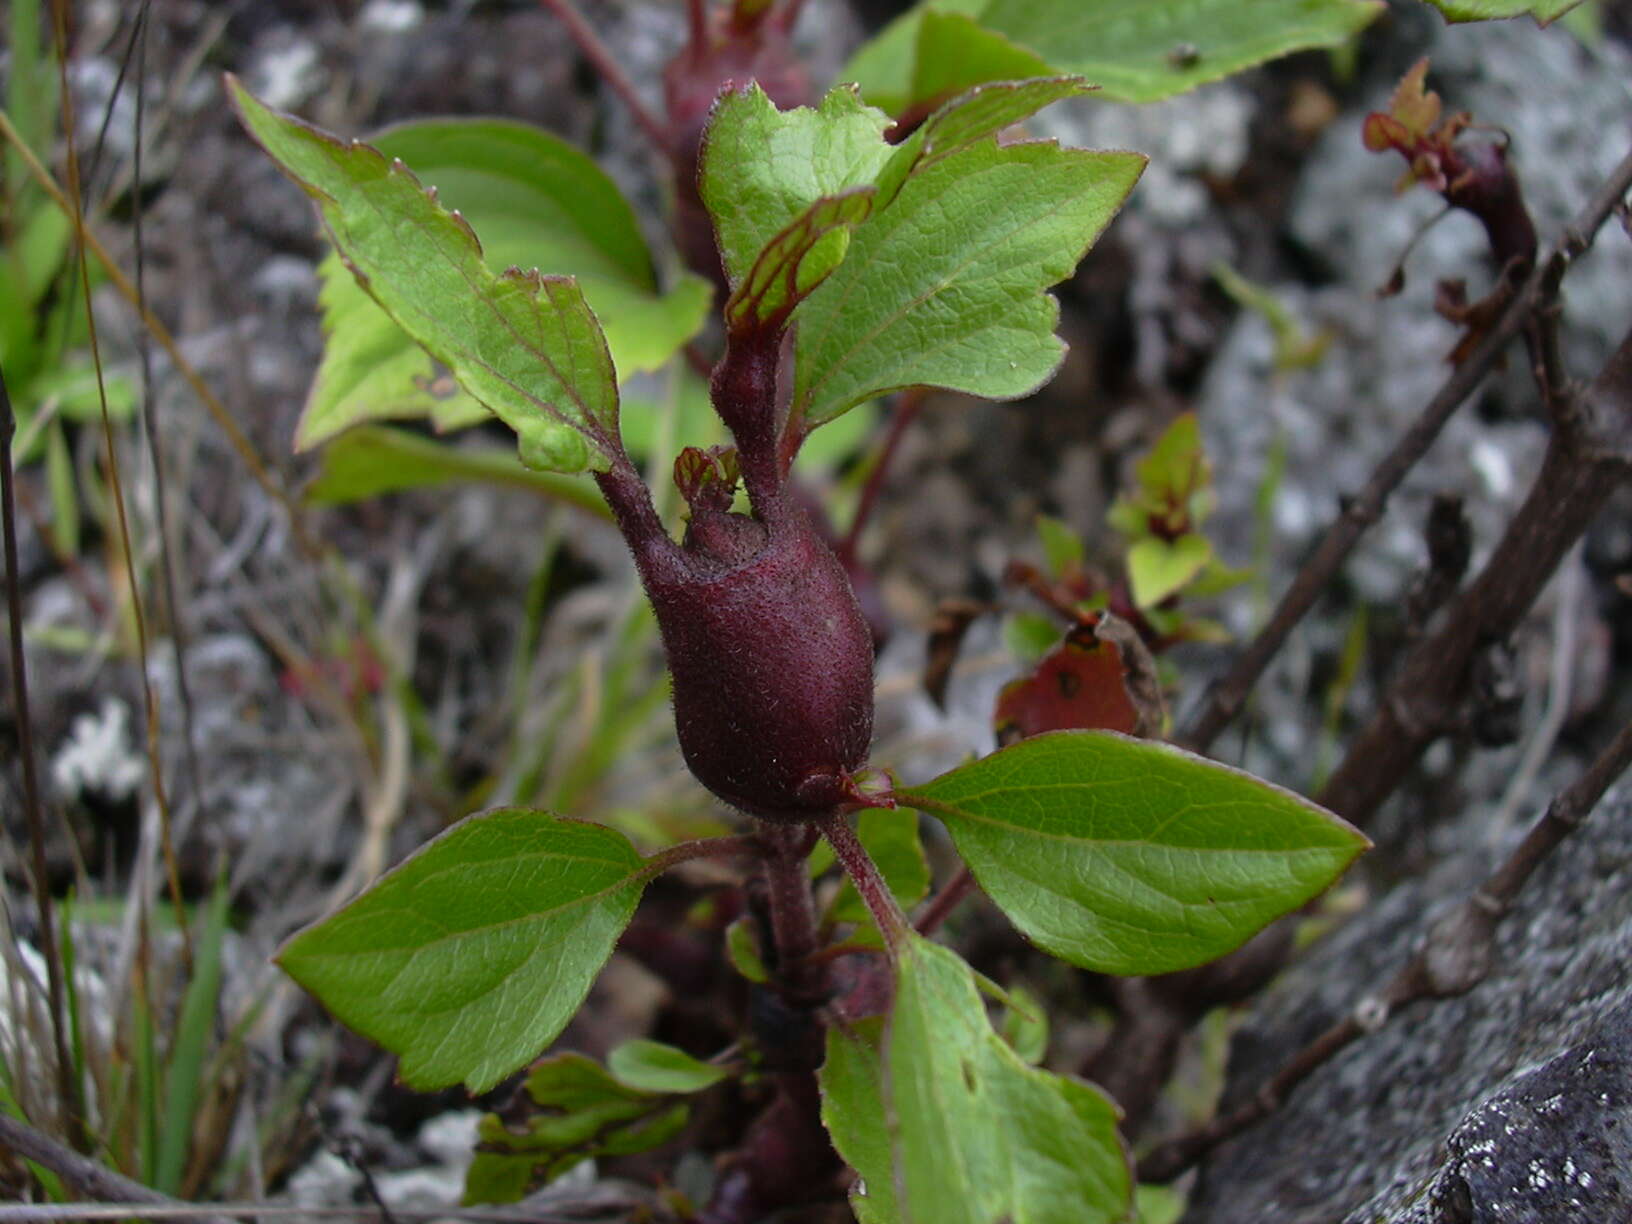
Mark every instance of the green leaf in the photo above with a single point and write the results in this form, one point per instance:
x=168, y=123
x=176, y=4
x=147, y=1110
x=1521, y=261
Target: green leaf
x=1132, y=857
x=742, y=947
x=890, y=836
x=944, y=284
x=584, y=1112
x=525, y=345
x=535, y=201
x=1025, y=1026
x=852, y=1084
x=955, y=53
x=469, y=957
x=1158, y=1204
x=59, y=475
x=760, y=168
x=374, y=459
x=971, y=1134
x=651, y=1066
x=1061, y=545
x=1543, y=11
x=1158, y=568
x=796, y=261
x=1137, y=52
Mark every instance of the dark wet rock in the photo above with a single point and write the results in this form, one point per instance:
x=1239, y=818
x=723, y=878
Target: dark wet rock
x=1493, y=1105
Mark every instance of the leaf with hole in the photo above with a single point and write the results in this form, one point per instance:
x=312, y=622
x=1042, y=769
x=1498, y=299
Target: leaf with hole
x=969, y=1133
x=1126, y=856
x=468, y=958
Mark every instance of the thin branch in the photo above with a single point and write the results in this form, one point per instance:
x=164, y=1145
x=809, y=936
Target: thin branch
x=738, y=846
x=150, y=422
x=903, y=413
x=697, y=26
x=794, y=929
x=597, y=53
x=84, y=1174
x=942, y=904
x=1229, y=694
x=1455, y=957
x=67, y=1086
x=1588, y=456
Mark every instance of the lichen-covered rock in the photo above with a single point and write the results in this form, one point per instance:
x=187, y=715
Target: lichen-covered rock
x=1484, y=1108
x=1554, y=1145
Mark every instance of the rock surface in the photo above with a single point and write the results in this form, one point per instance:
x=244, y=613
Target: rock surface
x=1510, y=1103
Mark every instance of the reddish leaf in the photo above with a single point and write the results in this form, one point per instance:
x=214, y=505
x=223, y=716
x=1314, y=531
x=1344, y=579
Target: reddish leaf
x=1101, y=677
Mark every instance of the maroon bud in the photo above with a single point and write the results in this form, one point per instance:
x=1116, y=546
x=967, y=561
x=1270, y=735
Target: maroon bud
x=772, y=663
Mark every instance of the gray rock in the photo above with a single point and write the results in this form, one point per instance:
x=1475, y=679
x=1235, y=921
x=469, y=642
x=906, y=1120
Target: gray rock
x=1553, y=1145
x=1493, y=1105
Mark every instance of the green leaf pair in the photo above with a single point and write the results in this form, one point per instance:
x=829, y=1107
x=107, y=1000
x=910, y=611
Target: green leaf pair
x=631, y=1105
x=535, y=201
x=952, y=238
x=524, y=344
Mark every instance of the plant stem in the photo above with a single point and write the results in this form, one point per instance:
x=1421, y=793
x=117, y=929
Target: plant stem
x=793, y=909
x=67, y=1084
x=704, y=847
x=1589, y=456
x=864, y=873
x=942, y=904
x=905, y=411
x=596, y=52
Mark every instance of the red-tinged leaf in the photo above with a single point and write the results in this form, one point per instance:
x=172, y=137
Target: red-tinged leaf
x=1101, y=678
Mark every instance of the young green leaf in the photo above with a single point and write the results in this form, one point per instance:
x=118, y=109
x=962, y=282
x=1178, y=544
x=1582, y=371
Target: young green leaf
x=585, y=1112
x=742, y=949
x=1158, y=568
x=468, y=958
x=971, y=1135
x=1136, y=52
x=1127, y=856
x=525, y=345
x=1544, y=11
x=760, y=168
x=944, y=285
x=535, y=201
x=651, y=1066
x=795, y=262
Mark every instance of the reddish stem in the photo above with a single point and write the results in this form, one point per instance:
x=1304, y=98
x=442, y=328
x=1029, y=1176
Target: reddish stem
x=596, y=52
x=793, y=909
x=864, y=873
x=942, y=904
x=907, y=407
